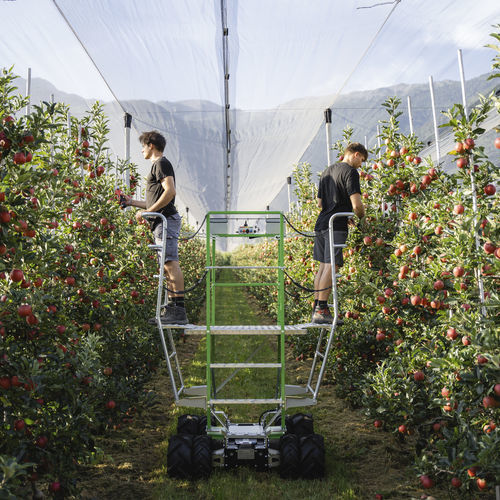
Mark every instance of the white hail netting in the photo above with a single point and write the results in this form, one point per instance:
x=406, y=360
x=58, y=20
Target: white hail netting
x=288, y=61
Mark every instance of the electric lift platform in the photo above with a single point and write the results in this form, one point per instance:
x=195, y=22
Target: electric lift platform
x=280, y=439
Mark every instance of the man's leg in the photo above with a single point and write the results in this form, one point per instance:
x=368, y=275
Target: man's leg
x=324, y=284
x=175, y=278
x=176, y=314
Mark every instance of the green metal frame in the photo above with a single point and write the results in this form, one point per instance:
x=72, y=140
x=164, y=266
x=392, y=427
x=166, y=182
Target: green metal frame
x=210, y=302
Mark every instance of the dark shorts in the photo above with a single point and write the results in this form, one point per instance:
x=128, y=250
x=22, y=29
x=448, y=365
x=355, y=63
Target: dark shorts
x=321, y=249
x=173, y=231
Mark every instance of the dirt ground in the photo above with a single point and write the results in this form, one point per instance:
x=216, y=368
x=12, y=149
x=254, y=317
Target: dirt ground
x=134, y=457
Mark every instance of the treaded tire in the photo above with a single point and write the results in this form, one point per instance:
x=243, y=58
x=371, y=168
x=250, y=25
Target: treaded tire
x=312, y=456
x=202, y=456
x=289, y=456
x=179, y=461
x=300, y=424
x=188, y=424
x=202, y=425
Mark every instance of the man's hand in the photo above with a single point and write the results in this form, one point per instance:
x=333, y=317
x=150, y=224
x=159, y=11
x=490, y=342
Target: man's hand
x=138, y=216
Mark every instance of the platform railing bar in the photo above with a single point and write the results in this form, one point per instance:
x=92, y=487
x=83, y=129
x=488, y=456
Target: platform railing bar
x=244, y=267
x=245, y=365
x=243, y=401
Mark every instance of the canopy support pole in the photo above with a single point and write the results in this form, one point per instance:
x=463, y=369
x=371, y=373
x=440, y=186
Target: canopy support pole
x=225, y=64
x=473, y=188
x=410, y=116
x=28, y=92
x=128, y=123
x=328, y=125
x=289, y=184
x=436, y=132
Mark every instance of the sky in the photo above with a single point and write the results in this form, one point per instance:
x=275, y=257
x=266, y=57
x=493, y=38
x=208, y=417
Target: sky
x=278, y=51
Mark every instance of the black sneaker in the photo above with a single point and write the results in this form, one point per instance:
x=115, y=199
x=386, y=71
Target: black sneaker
x=322, y=316
x=165, y=311
x=175, y=315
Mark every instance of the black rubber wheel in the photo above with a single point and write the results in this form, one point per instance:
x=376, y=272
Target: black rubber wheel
x=179, y=461
x=300, y=424
x=202, y=456
x=202, y=425
x=289, y=456
x=312, y=456
x=188, y=424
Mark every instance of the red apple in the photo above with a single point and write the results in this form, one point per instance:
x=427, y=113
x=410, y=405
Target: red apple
x=452, y=333
x=481, y=483
x=438, y=285
x=490, y=190
x=16, y=275
x=469, y=143
x=426, y=481
x=490, y=402
x=489, y=248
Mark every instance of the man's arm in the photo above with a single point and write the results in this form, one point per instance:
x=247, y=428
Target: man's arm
x=357, y=205
x=135, y=203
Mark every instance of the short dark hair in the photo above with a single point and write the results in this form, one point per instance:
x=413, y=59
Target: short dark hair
x=356, y=147
x=154, y=138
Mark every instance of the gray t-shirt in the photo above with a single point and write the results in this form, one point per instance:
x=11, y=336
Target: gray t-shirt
x=160, y=169
x=336, y=185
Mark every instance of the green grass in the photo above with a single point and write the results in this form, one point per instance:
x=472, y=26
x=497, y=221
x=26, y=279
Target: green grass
x=233, y=306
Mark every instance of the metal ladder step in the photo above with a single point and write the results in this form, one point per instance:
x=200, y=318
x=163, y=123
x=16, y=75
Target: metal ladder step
x=295, y=390
x=298, y=402
x=198, y=402
x=245, y=329
x=196, y=390
x=245, y=365
x=265, y=401
x=290, y=390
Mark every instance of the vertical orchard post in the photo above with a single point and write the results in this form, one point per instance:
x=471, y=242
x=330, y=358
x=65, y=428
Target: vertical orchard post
x=436, y=132
x=328, y=125
x=462, y=80
x=69, y=125
x=52, y=100
x=289, y=185
x=473, y=187
x=378, y=136
x=410, y=117
x=187, y=216
x=82, y=173
x=28, y=92
x=128, y=123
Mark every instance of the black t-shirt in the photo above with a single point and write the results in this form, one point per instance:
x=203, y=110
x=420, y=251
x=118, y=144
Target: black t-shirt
x=337, y=183
x=160, y=169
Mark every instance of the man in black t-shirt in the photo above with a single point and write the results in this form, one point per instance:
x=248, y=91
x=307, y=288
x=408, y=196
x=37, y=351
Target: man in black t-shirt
x=338, y=191
x=160, y=197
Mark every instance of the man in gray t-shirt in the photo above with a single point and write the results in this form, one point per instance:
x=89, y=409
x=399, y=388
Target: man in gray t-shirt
x=160, y=197
x=338, y=191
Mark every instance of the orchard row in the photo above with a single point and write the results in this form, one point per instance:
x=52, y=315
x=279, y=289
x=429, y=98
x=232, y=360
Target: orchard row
x=418, y=350
x=77, y=288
